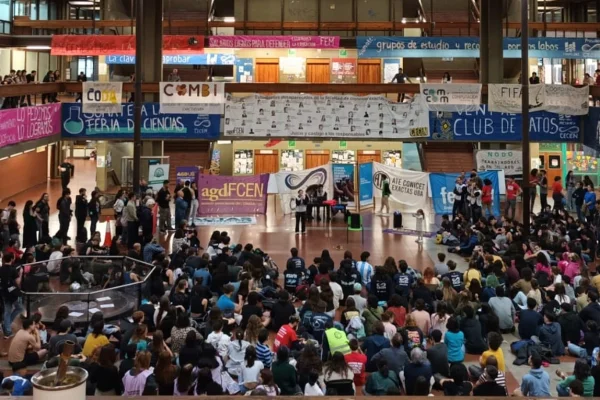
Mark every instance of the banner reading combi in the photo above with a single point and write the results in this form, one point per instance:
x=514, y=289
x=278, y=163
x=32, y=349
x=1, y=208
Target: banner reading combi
x=232, y=194
x=192, y=97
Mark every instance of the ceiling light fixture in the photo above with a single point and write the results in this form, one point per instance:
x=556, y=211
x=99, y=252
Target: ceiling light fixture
x=229, y=19
x=38, y=47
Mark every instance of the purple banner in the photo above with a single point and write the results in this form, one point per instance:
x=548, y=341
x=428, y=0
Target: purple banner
x=183, y=174
x=275, y=42
x=20, y=125
x=232, y=194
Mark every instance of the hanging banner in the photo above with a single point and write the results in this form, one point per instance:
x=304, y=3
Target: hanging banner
x=232, y=194
x=20, y=125
x=407, y=187
x=178, y=59
x=508, y=160
x=365, y=184
x=305, y=115
x=506, y=97
x=192, y=97
x=484, y=125
x=105, y=45
x=183, y=174
x=102, y=97
x=442, y=191
x=157, y=174
x=468, y=47
x=343, y=183
x=274, y=42
x=154, y=124
x=451, y=96
x=566, y=99
x=343, y=66
x=289, y=183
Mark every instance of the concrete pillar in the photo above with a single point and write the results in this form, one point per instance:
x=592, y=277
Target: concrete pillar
x=152, y=51
x=533, y=7
x=495, y=34
x=483, y=43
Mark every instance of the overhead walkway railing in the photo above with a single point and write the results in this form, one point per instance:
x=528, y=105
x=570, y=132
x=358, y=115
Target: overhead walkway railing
x=152, y=88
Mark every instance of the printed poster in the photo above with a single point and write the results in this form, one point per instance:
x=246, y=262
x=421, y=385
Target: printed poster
x=102, y=97
x=232, y=194
x=344, y=189
x=365, y=185
x=157, y=174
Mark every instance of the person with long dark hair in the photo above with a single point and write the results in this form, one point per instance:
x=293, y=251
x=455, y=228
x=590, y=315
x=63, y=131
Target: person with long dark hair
x=581, y=372
x=64, y=215
x=205, y=385
x=29, y=225
x=94, y=211
x=184, y=383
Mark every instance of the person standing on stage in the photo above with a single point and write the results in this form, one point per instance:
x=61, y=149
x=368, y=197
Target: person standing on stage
x=385, y=195
x=301, y=203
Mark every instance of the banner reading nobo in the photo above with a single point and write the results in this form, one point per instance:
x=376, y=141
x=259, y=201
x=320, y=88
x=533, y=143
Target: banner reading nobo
x=192, y=97
x=102, y=97
x=511, y=161
x=451, y=97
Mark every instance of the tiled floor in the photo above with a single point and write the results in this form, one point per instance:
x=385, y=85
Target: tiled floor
x=274, y=234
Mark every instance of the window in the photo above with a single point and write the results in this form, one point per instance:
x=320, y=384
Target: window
x=5, y=10
x=85, y=64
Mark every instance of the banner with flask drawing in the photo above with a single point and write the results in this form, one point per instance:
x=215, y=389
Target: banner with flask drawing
x=451, y=96
x=408, y=187
x=306, y=115
x=289, y=183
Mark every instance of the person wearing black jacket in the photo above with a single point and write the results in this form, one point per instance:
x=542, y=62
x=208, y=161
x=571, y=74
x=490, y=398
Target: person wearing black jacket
x=146, y=220
x=94, y=211
x=592, y=310
x=571, y=325
x=30, y=78
x=470, y=326
x=301, y=204
x=347, y=277
x=80, y=79
x=578, y=195
x=163, y=198
x=382, y=285
x=64, y=215
x=81, y=210
x=49, y=78
x=66, y=170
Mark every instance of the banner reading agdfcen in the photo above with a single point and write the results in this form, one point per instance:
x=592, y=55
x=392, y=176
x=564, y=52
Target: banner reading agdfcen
x=232, y=194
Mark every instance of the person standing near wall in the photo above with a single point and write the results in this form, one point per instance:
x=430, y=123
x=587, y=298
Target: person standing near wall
x=301, y=203
x=533, y=182
x=81, y=211
x=543, y=183
x=570, y=184
x=163, y=198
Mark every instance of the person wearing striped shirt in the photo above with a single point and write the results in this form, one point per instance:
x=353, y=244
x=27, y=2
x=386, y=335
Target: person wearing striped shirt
x=365, y=269
x=263, y=352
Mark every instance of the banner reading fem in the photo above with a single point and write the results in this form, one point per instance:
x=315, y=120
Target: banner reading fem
x=225, y=195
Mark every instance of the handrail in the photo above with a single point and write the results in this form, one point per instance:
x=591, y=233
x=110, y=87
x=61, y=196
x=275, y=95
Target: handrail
x=476, y=9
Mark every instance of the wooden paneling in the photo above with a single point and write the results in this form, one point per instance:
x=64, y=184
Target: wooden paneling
x=316, y=158
x=318, y=70
x=369, y=72
x=25, y=171
x=448, y=157
x=266, y=163
x=267, y=70
x=368, y=155
x=183, y=153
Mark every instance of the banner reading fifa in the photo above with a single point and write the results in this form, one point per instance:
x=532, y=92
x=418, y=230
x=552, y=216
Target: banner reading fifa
x=192, y=97
x=407, y=187
x=506, y=98
x=102, y=97
x=232, y=194
x=442, y=191
x=289, y=183
x=451, y=96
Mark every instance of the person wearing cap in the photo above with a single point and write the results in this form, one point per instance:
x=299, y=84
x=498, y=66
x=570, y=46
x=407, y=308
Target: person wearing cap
x=359, y=301
x=57, y=341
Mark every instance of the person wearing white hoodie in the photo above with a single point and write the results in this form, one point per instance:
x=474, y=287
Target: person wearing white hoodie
x=219, y=340
x=236, y=351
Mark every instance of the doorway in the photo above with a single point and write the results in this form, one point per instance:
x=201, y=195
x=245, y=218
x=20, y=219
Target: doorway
x=552, y=163
x=317, y=70
x=316, y=158
x=266, y=162
x=369, y=71
x=368, y=156
x=267, y=70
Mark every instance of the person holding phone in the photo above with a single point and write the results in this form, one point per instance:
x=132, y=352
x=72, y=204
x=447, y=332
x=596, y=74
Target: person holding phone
x=301, y=205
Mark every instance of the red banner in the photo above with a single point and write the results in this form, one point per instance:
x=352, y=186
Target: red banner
x=343, y=66
x=104, y=45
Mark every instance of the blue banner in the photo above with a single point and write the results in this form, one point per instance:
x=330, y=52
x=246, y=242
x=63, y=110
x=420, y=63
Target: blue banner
x=344, y=183
x=484, y=125
x=155, y=125
x=365, y=184
x=468, y=47
x=442, y=191
x=591, y=133
x=180, y=59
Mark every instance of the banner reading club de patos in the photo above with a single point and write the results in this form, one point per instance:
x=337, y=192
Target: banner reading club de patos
x=103, y=45
x=232, y=194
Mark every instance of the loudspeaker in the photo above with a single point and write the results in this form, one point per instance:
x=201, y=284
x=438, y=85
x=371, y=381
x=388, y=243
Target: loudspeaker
x=355, y=221
x=223, y=8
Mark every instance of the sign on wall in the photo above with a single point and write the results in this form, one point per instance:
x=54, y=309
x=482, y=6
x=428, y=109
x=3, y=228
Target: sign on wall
x=102, y=97
x=305, y=115
x=183, y=174
x=192, y=97
x=244, y=70
x=343, y=66
x=508, y=160
x=155, y=125
x=484, y=125
x=468, y=47
x=274, y=42
x=343, y=183
x=451, y=96
x=232, y=194
x=157, y=174
x=19, y=125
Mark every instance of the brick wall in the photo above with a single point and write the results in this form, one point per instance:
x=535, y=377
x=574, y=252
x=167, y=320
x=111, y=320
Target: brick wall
x=185, y=154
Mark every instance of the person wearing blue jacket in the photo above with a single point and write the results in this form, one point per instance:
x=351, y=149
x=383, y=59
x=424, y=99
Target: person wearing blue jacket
x=537, y=382
x=589, y=202
x=455, y=341
x=181, y=207
x=467, y=245
x=550, y=335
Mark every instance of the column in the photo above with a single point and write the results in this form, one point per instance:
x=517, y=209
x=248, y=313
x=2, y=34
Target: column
x=495, y=48
x=483, y=43
x=152, y=51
